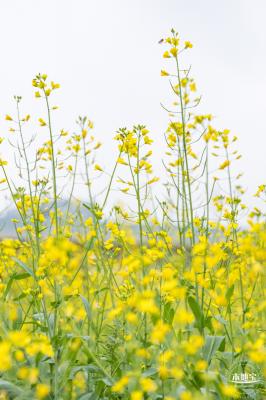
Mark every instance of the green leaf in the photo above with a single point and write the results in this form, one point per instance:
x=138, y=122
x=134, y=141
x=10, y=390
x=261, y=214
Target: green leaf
x=8, y=286
x=13, y=277
x=208, y=323
x=21, y=296
x=107, y=381
x=87, y=307
x=220, y=319
x=88, y=368
x=88, y=311
x=168, y=313
x=24, y=266
x=150, y=372
x=12, y=390
x=229, y=292
x=195, y=308
x=212, y=345
x=21, y=276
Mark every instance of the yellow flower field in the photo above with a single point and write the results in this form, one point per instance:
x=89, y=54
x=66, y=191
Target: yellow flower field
x=162, y=297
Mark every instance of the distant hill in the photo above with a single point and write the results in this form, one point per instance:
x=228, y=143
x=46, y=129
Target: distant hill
x=7, y=228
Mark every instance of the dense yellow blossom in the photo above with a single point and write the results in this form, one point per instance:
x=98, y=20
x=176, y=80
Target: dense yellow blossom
x=149, y=295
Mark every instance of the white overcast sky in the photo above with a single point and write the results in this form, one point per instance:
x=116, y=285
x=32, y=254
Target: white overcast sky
x=106, y=56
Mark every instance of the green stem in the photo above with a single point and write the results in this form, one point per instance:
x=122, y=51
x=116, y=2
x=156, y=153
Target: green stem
x=53, y=165
x=185, y=152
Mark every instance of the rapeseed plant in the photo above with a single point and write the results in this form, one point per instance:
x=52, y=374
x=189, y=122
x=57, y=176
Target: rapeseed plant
x=153, y=301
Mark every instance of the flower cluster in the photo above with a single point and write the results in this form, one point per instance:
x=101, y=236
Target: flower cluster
x=151, y=298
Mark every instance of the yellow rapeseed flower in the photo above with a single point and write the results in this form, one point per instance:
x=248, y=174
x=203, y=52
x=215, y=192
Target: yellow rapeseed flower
x=97, y=167
x=42, y=390
x=230, y=391
x=136, y=395
x=120, y=385
x=225, y=164
x=164, y=73
x=42, y=122
x=148, y=385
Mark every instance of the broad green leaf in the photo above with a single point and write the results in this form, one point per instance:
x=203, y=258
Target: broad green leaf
x=12, y=390
x=88, y=311
x=88, y=368
x=168, y=313
x=230, y=292
x=8, y=287
x=220, y=319
x=195, y=308
x=212, y=345
x=13, y=277
x=86, y=306
x=150, y=372
x=107, y=381
x=24, y=266
x=21, y=276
